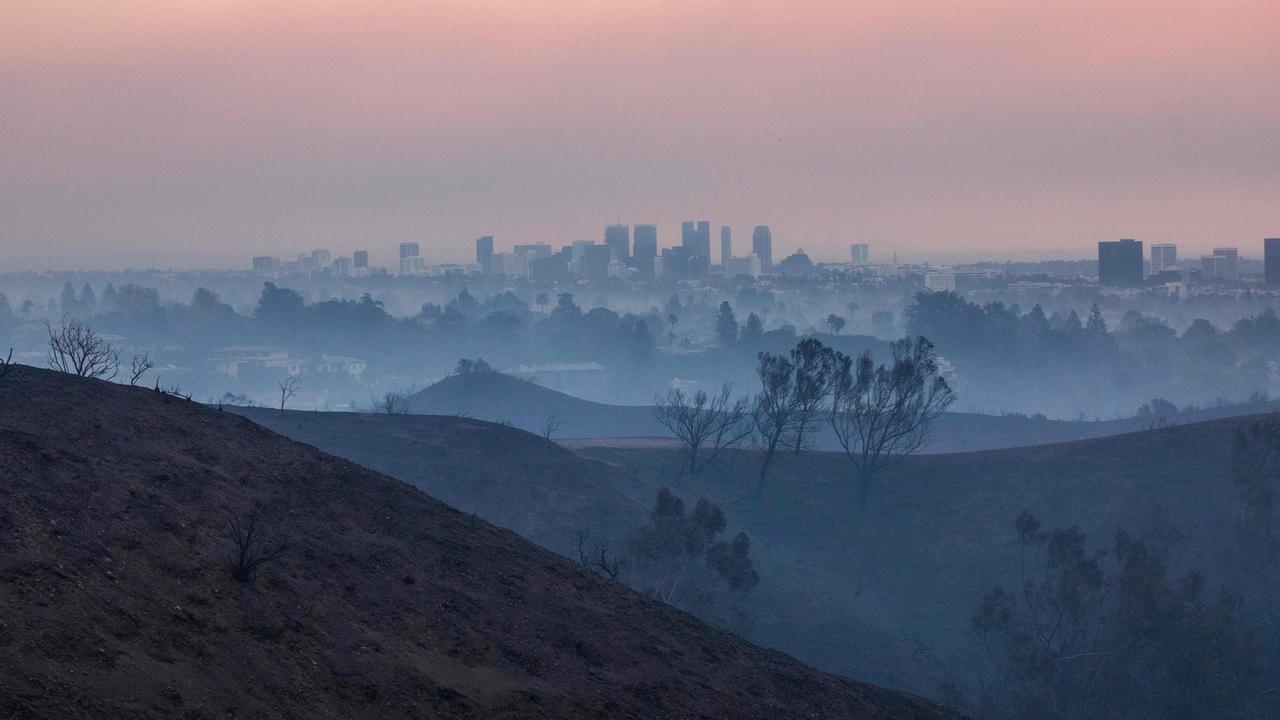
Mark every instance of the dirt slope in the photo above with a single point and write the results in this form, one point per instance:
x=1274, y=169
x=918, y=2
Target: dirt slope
x=118, y=603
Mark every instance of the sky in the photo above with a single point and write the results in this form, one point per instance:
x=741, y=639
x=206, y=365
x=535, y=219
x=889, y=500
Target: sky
x=198, y=133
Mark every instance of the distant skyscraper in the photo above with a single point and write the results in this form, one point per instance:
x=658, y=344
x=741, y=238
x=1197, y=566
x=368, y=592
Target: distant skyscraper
x=342, y=266
x=762, y=246
x=595, y=261
x=361, y=259
x=484, y=253
x=861, y=252
x=1271, y=260
x=695, y=237
x=646, y=249
x=1164, y=257
x=1120, y=263
x=618, y=238
x=408, y=250
x=726, y=244
x=320, y=259
x=1231, y=264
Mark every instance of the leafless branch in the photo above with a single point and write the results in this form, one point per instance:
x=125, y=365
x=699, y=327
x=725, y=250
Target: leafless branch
x=550, y=426
x=288, y=387
x=139, y=367
x=76, y=349
x=251, y=551
x=701, y=421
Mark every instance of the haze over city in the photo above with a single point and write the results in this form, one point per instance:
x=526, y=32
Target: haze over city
x=194, y=134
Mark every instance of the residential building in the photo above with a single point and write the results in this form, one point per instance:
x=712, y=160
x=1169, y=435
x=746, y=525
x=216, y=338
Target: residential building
x=748, y=265
x=940, y=281
x=408, y=249
x=861, y=253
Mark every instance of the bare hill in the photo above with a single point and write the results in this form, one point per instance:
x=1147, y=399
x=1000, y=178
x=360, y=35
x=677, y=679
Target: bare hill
x=502, y=398
x=119, y=603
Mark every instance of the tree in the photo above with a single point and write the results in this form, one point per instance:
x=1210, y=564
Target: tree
x=76, y=349
x=392, y=403
x=773, y=410
x=251, y=550
x=698, y=421
x=288, y=387
x=1085, y=639
x=679, y=559
x=752, y=332
x=815, y=368
x=550, y=426
x=7, y=364
x=139, y=367
x=836, y=323
x=543, y=301
x=467, y=366
x=883, y=414
x=726, y=326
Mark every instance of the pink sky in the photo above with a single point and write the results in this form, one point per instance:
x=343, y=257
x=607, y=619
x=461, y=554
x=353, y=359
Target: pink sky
x=176, y=132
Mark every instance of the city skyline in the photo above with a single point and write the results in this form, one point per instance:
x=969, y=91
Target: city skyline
x=947, y=131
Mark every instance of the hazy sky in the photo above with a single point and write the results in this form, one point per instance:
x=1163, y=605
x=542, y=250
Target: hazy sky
x=181, y=132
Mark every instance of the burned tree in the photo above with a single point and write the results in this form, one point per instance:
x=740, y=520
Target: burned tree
x=815, y=368
x=881, y=414
x=6, y=364
x=139, y=367
x=251, y=550
x=288, y=387
x=392, y=403
x=598, y=558
x=701, y=421
x=550, y=427
x=75, y=348
x=773, y=410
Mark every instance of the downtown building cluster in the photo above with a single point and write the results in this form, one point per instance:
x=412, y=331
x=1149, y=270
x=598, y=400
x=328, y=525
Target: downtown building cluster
x=1121, y=264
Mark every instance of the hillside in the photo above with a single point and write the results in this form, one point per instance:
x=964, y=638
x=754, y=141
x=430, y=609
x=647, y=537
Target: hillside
x=502, y=398
x=549, y=495
x=387, y=603
x=937, y=521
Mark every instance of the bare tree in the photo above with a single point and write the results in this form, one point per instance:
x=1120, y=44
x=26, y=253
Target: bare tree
x=288, y=387
x=251, y=550
x=597, y=557
x=139, y=367
x=550, y=426
x=883, y=414
x=76, y=349
x=773, y=411
x=7, y=363
x=715, y=422
x=815, y=367
x=392, y=403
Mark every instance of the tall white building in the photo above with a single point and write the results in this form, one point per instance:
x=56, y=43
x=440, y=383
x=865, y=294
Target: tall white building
x=861, y=253
x=1231, y=262
x=1164, y=257
x=749, y=265
x=940, y=281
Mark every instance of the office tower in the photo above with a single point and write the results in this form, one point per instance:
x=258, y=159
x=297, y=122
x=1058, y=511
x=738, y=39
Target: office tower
x=618, y=239
x=1271, y=260
x=1213, y=268
x=342, y=266
x=726, y=244
x=645, y=249
x=320, y=259
x=675, y=263
x=408, y=250
x=762, y=246
x=533, y=250
x=861, y=253
x=266, y=264
x=1230, y=263
x=484, y=253
x=695, y=237
x=360, y=259
x=1120, y=263
x=1164, y=257
x=595, y=261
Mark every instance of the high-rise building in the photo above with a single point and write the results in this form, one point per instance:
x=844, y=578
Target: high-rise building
x=675, y=263
x=412, y=265
x=1231, y=263
x=748, y=265
x=532, y=250
x=695, y=237
x=360, y=258
x=618, y=239
x=484, y=253
x=645, y=249
x=342, y=266
x=861, y=253
x=762, y=246
x=408, y=250
x=267, y=264
x=595, y=261
x=1213, y=268
x=1120, y=263
x=1271, y=260
x=1164, y=257
x=320, y=259
x=726, y=244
